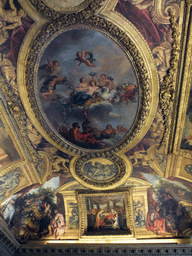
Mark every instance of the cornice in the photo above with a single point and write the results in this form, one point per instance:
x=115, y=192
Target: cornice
x=9, y=244
x=7, y=240
x=107, y=250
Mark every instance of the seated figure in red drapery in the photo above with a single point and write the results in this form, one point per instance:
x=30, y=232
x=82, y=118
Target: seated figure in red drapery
x=15, y=23
x=155, y=223
x=100, y=220
x=17, y=36
x=137, y=12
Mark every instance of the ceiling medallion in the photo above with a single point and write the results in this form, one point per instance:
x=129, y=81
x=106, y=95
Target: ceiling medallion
x=89, y=91
x=66, y=5
x=101, y=172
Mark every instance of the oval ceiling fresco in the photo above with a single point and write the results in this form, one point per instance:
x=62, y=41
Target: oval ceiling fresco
x=87, y=88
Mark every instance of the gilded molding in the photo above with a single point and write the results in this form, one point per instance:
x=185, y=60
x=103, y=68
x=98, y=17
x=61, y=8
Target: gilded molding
x=122, y=173
x=16, y=109
x=184, y=86
x=88, y=6
x=160, y=11
x=70, y=187
x=167, y=91
x=81, y=195
x=5, y=241
x=112, y=249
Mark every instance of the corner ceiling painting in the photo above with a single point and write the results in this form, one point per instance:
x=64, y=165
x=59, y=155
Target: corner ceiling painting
x=88, y=126
x=8, y=151
x=186, y=138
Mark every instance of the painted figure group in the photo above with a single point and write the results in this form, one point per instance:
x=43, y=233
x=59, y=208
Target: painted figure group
x=33, y=219
x=96, y=90
x=100, y=171
x=14, y=24
x=101, y=219
x=168, y=215
x=90, y=135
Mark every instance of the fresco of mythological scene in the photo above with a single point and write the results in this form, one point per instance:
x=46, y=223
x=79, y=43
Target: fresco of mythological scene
x=38, y=212
x=87, y=88
x=14, y=24
x=106, y=215
x=186, y=142
x=169, y=207
x=158, y=34
x=8, y=152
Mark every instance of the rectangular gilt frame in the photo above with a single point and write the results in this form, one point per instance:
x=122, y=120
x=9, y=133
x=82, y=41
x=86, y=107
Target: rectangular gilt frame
x=81, y=195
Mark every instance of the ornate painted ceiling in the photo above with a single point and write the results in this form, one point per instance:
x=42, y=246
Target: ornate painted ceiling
x=96, y=120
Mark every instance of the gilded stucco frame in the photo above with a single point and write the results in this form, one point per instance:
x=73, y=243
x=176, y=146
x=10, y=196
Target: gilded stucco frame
x=14, y=137
x=39, y=35
x=183, y=87
x=82, y=194
x=23, y=166
x=177, y=156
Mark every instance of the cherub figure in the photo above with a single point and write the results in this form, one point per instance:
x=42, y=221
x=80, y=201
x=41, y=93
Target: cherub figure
x=82, y=58
x=105, y=81
x=51, y=68
x=129, y=93
x=50, y=85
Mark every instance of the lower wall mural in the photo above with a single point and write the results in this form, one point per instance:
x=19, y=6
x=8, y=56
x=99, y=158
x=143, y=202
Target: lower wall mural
x=154, y=208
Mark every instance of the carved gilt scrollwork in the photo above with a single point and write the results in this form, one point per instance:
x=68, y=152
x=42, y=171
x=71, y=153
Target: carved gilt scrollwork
x=121, y=172
x=16, y=109
x=48, y=13
x=167, y=91
x=160, y=11
x=101, y=171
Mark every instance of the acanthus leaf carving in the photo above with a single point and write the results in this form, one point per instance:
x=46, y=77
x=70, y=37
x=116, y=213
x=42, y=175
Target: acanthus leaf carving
x=167, y=92
x=160, y=11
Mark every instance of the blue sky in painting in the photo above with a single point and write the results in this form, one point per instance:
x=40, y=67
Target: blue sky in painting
x=52, y=183
x=154, y=180
x=110, y=59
